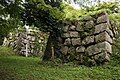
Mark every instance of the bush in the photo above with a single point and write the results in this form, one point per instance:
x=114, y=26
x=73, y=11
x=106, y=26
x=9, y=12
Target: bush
x=5, y=51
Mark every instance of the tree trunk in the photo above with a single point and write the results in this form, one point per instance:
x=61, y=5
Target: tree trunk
x=1, y=40
x=49, y=51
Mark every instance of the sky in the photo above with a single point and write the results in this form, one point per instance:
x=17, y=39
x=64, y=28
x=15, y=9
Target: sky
x=76, y=6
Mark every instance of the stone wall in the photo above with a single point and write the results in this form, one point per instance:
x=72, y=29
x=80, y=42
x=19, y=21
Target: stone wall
x=35, y=41
x=88, y=41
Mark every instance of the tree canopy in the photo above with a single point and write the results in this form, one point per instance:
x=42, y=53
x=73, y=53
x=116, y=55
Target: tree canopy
x=9, y=16
x=41, y=14
x=44, y=14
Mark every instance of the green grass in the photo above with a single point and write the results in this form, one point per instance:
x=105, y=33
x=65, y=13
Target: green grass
x=31, y=68
x=5, y=51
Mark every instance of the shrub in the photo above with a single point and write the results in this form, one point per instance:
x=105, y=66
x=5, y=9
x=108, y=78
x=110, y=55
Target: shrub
x=5, y=51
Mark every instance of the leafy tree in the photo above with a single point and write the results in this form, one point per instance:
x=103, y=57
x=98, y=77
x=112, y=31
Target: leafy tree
x=42, y=14
x=10, y=11
x=45, y=15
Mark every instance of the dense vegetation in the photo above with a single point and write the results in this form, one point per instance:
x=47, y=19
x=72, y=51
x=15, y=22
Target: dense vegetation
x=45, y=14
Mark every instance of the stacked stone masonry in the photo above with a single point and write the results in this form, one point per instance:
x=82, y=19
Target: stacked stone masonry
x=88, y=41
x=35, y=41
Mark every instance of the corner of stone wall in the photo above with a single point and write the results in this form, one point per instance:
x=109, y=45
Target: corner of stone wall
x=89, y=41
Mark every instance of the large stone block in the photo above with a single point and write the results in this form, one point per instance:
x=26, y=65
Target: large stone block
x=65, y=28
x=91, y=50
x=104, y=46
x=79, y=26
x=88, y=40
x=64, y=50
x=80, y=57
x=101, y=27
x=67, y=22
x=90, y=62
x=110, y=33
x=33, y=39
x=89, y=24
x=102, y=57
x=72, y=28
x=76, y=41
x=87, y=18
x=98, y=48
x=25, y=41
x=74, y=34
x=104, y=36
x=65, y=35
x=32, y=46
x=71, y=50
x=80, y=49
x=103, y=18
x=60, y=39
x=67, y=41
x=29, y=37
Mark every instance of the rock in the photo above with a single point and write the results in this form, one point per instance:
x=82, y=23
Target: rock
x=67, y=22
x=65, y=29
x=74, y=34
x=101, y=14
x=104, y=46
x=32, y=51
x=29, y=37
x=39, y=41
x=89, y=24
x=104, y=36
x=77, y=57
x=98, y=48
x=80, y=49
x=110, y=33
x=23, y=50
x=31, y=33
x=91, y=32
x=67, y=41
x=10, y=37
x=87, y=18
x=72, y=28
x=101, y=27
x=91, y=50
x=80, y=26
x=65, y=35
x=25, y=41
x=103, y=18
x=60, y=39
x=64, y=50
x=80, y=58
x=102, y=57
x=88, y=40
x=91, y=62
x=6, y=42
x=32, y=46
x=71, y=50
x=76, y=41
x=33, y=38
x=70, y=57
